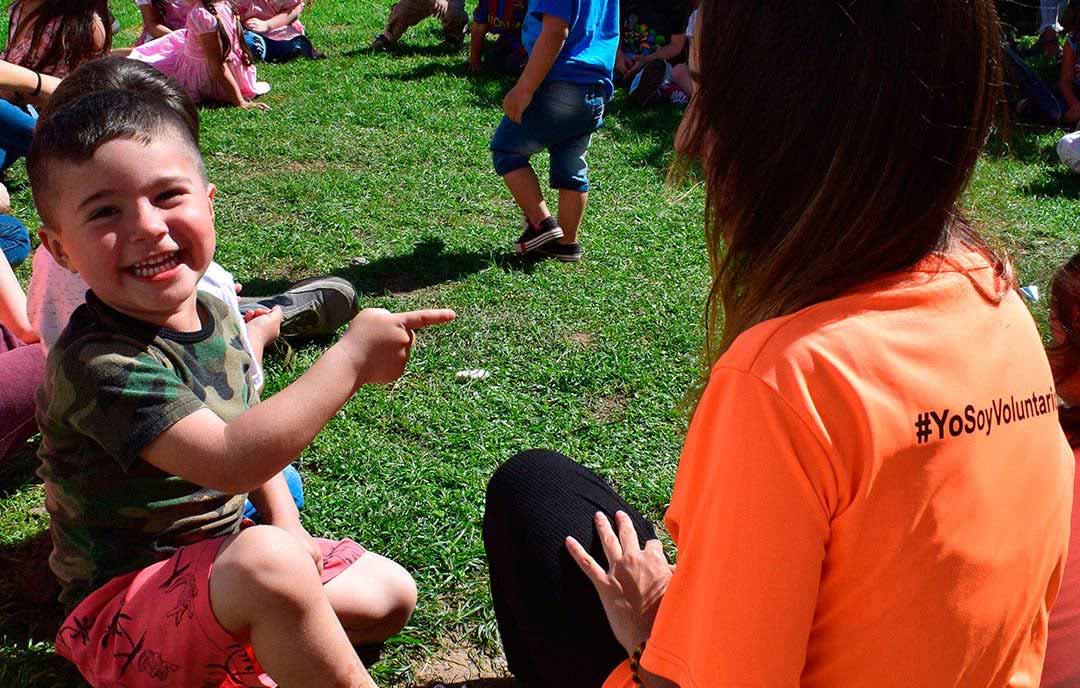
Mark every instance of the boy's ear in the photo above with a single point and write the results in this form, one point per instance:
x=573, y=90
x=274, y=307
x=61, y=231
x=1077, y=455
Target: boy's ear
x=211, y=191
x=52, y=243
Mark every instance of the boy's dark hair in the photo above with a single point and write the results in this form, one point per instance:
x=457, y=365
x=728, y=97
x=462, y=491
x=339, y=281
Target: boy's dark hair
x=75, y=132
x=121, y=73
x=74, y=40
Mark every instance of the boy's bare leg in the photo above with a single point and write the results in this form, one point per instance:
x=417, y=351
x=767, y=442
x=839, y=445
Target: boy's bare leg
x=264, y=586
x=525, y=188
x=373, y=599
x=404, y=15
x=571, y=211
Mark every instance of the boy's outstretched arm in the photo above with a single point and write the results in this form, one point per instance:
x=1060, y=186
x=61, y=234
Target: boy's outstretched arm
x=246, y=452
x=544, y=53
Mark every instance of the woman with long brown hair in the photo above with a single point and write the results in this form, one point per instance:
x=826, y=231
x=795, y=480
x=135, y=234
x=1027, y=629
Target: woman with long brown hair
x=874, y=488
x=56, y=36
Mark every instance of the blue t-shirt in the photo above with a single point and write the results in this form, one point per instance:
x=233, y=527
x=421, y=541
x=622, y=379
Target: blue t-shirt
x=588, y=57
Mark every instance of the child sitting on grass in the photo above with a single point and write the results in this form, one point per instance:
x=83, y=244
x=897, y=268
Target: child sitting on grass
x=503, y=18
x=151, y=434
x=56, y=36
x=161, y=17
x=557, y=103
x=210, y=59
x=408, y=13
x=274, y=26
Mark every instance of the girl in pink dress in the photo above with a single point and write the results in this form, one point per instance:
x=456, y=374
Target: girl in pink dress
x=278, y=22
x=208, y=57
x=161, y=17
x=56, y=36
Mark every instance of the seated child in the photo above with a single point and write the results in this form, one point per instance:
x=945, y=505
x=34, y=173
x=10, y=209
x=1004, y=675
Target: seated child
x=681, y=87
x=55, y=36
x=651, y=41
x=151, y=433
x=503, y=18
x=274, y=27
x=210, y=59
x=160, y=17
x=408, y=13
x=1062, y=667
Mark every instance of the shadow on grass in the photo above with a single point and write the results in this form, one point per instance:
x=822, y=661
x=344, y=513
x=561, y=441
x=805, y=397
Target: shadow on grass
x=18, y=468
x=1059, y=183
x=1023, y=143
x=404, y=48
x=427, y=266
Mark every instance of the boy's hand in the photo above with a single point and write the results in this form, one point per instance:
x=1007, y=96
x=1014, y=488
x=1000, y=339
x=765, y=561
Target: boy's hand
x=516, y=102
x=257, y=25
x=300, y=533
x=379, y=342
x=253, y=105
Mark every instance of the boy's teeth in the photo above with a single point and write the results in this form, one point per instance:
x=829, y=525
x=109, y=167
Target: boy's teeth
x=149, y=268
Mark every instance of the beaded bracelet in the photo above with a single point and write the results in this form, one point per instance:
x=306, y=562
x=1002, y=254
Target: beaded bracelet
x=635, y=665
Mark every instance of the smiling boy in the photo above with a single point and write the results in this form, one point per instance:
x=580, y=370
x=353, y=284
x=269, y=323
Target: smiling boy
x=152, y=434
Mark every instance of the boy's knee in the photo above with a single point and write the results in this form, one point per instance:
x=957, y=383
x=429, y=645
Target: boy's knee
x=267, y=563
x=401, y=595
x=506, y=161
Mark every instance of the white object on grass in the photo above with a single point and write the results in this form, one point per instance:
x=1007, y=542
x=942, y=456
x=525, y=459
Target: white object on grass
x=472, y=375
x=1030, y=292
x=1068, y=150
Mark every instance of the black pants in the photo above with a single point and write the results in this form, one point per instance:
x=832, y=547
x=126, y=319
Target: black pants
x=553, y=626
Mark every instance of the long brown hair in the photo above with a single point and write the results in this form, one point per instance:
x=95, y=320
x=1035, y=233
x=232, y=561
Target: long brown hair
x=226, y=43
x=75, y=36
x=836, y=138
x=1064, y=353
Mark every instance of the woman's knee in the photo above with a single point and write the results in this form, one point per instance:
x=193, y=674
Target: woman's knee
x=375, y=593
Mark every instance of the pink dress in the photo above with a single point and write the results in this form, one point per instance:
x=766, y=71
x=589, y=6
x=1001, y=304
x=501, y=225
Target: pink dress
x=181, y=56
x=176, y=12
x=268, y=9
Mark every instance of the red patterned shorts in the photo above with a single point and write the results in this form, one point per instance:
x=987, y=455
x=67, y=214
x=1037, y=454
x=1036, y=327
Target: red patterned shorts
x=155, y=627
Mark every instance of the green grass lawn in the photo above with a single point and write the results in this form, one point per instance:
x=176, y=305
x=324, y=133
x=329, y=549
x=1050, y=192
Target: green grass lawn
x=375, y=167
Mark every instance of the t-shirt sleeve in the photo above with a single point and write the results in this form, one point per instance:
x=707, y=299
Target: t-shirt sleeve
x=201, y=21
x=563, y=9
x=751, y=518
x=119, y=395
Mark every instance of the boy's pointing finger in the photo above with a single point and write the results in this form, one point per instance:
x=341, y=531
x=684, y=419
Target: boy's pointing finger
x=414, y=320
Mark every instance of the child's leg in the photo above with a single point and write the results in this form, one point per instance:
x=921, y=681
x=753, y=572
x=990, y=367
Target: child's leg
x=680, y=74
x=373, y=599
x=511, y=147
x=525, y=188
x=405, y=14
x=571, y=211
x=454, y=21
x=264, y=586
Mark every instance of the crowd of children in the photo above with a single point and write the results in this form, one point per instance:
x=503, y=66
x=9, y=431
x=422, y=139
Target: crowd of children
x=159, y=455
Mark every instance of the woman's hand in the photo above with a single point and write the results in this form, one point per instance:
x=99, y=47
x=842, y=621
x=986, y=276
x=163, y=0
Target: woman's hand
x=633, y=585
x=257, y=25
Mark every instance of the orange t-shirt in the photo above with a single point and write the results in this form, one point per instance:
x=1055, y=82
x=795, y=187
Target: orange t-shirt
x=875, y=492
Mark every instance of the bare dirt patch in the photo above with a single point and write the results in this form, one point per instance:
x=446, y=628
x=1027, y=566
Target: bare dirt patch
x=461, y=665
x=607, y=408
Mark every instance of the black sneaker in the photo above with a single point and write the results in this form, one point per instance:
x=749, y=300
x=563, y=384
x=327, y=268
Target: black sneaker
x=567, y=253
x=535, y=237
x=314, y=307
x=645, y=88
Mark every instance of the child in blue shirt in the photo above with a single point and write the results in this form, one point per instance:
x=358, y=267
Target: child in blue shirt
x=557, y=104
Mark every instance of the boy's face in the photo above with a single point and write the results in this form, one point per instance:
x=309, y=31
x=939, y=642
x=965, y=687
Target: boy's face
x=136, y=221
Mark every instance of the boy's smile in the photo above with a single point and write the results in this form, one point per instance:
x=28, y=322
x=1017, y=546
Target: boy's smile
x=137, y=222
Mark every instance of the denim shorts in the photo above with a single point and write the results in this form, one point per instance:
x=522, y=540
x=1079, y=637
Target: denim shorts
x=562, y=118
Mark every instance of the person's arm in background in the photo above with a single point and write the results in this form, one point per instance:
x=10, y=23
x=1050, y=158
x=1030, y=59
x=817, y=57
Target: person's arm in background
x=25, y=81
x=153, y=22
x=544, y=53
x=667, y=53
x=1067, y=87
x=13, y=305
x=275, y=22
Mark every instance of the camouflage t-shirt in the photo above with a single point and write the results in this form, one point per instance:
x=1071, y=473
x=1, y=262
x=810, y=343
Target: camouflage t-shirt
x=112, y=385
